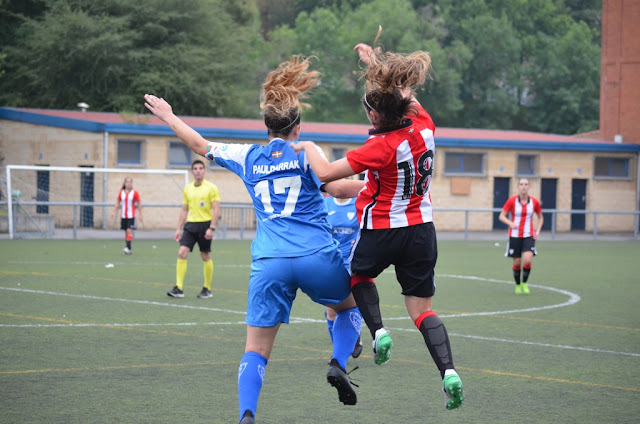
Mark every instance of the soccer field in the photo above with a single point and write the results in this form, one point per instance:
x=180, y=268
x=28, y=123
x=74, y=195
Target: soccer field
x=88, y=335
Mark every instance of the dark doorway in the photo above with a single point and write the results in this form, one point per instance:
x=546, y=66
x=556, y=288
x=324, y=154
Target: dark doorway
x=578, y=202
x=86, y=195
x=500, y=196
x=42, y=193
x=548, y=195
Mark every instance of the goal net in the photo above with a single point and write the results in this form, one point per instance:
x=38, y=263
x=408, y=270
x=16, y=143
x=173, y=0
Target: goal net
x=43, y=199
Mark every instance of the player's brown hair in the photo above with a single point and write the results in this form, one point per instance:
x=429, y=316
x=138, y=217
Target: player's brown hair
x=282, y=91
x=390, y=82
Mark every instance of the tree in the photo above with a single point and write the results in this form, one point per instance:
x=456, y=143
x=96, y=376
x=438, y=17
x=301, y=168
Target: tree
x=565, y=81
x=109, y=53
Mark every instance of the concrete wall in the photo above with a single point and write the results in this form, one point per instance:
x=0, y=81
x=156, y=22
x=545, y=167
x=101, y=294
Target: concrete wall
x=28, y=144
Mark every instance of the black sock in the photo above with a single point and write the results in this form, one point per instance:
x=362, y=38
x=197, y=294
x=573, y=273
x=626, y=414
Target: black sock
x=366, y=295
x=437, y=340
x=516, y=275
x=129, y=244
x=525, y=274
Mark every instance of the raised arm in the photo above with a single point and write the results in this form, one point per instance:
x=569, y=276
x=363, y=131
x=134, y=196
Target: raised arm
x=160, y=108
x=325, y=171
x=365, y=52
x=344, y=188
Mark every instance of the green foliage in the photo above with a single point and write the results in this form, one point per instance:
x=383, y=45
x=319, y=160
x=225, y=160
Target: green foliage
x=564, y=99
x=108, y=54
x=507, y=64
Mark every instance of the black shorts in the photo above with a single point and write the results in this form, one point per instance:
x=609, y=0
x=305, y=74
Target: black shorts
x=517, y=245
x=192, y=233
x=126, y=223
x=413, y=250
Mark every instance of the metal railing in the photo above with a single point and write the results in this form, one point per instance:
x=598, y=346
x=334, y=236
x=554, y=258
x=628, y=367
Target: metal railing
x=554, y=213
x=240, y=218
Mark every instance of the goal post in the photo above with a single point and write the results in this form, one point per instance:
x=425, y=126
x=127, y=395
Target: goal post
x=39, y=197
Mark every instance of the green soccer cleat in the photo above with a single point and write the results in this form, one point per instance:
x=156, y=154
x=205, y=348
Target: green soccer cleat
x=525, y=289
x=382, y=348
x=518, y=289
x=453, y=393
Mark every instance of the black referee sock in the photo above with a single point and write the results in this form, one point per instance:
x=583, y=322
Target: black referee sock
x=366, y=295
x=437, y=339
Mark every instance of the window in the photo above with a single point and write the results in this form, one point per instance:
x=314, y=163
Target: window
x=42, y=195
x=463, y=163
x=179, y=154
x=337, y=153
x=526, y=165
x=611, y=167
x=129, y=152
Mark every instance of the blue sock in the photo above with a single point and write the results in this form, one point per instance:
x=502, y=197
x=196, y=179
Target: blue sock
x=329, y=325
x=250, y=379
x=346, y=330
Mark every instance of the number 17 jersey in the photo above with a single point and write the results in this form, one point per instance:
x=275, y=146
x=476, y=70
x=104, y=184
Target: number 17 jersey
x=290, y=210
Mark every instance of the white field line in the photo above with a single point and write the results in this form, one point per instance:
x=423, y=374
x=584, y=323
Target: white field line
x=573, y=298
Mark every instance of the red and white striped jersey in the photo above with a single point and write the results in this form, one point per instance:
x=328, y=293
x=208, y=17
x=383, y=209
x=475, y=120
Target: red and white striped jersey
x=128, y=202
x=399, y=164
x=522, y=214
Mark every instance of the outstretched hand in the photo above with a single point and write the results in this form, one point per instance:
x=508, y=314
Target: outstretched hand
x=158, y=106
x=365, y=52
x=298, y=146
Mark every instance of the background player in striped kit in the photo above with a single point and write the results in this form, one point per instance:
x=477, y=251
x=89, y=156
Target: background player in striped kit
x=293, y=247
x=129, y=202
x=522, y=237
x=394, y=209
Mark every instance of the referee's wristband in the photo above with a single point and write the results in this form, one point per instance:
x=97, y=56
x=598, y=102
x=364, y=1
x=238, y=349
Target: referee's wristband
x=212, y=229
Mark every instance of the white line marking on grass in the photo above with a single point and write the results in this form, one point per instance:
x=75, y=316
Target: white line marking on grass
x=573, y=298
x=298, y=320
x=129, y=263
x=524, y=342
x=142, y=302
x=186, y=324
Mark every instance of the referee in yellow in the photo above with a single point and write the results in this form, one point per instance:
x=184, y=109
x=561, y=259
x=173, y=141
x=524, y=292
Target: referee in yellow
x=197, y=224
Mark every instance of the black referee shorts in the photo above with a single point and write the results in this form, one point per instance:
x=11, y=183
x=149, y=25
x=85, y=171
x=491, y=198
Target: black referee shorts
x=194, y=232
x=413, y=250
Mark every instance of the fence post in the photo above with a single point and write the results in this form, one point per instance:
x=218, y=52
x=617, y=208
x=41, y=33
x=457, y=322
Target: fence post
x=466, y=225
x=242, y=224
x=75, y=222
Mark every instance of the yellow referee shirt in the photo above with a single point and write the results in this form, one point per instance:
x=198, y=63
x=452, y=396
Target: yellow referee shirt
x=199, y=200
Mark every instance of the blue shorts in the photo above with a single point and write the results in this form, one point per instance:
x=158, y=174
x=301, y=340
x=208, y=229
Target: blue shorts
x=274, y=283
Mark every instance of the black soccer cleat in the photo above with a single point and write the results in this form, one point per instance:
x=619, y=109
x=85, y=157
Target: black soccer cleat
x=175, y=292
x=247, y=418
x=205, y=293
x=338, y=378
x=357, y=350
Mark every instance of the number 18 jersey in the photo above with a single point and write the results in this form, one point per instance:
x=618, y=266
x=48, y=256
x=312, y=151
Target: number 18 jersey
x=290, y=210
x=399, y=164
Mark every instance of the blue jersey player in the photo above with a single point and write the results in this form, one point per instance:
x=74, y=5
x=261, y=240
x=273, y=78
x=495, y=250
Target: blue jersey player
x=344, y=227
x=293, y=248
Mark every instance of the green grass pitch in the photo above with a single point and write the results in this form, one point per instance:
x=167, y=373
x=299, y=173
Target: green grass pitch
x=85, y=342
